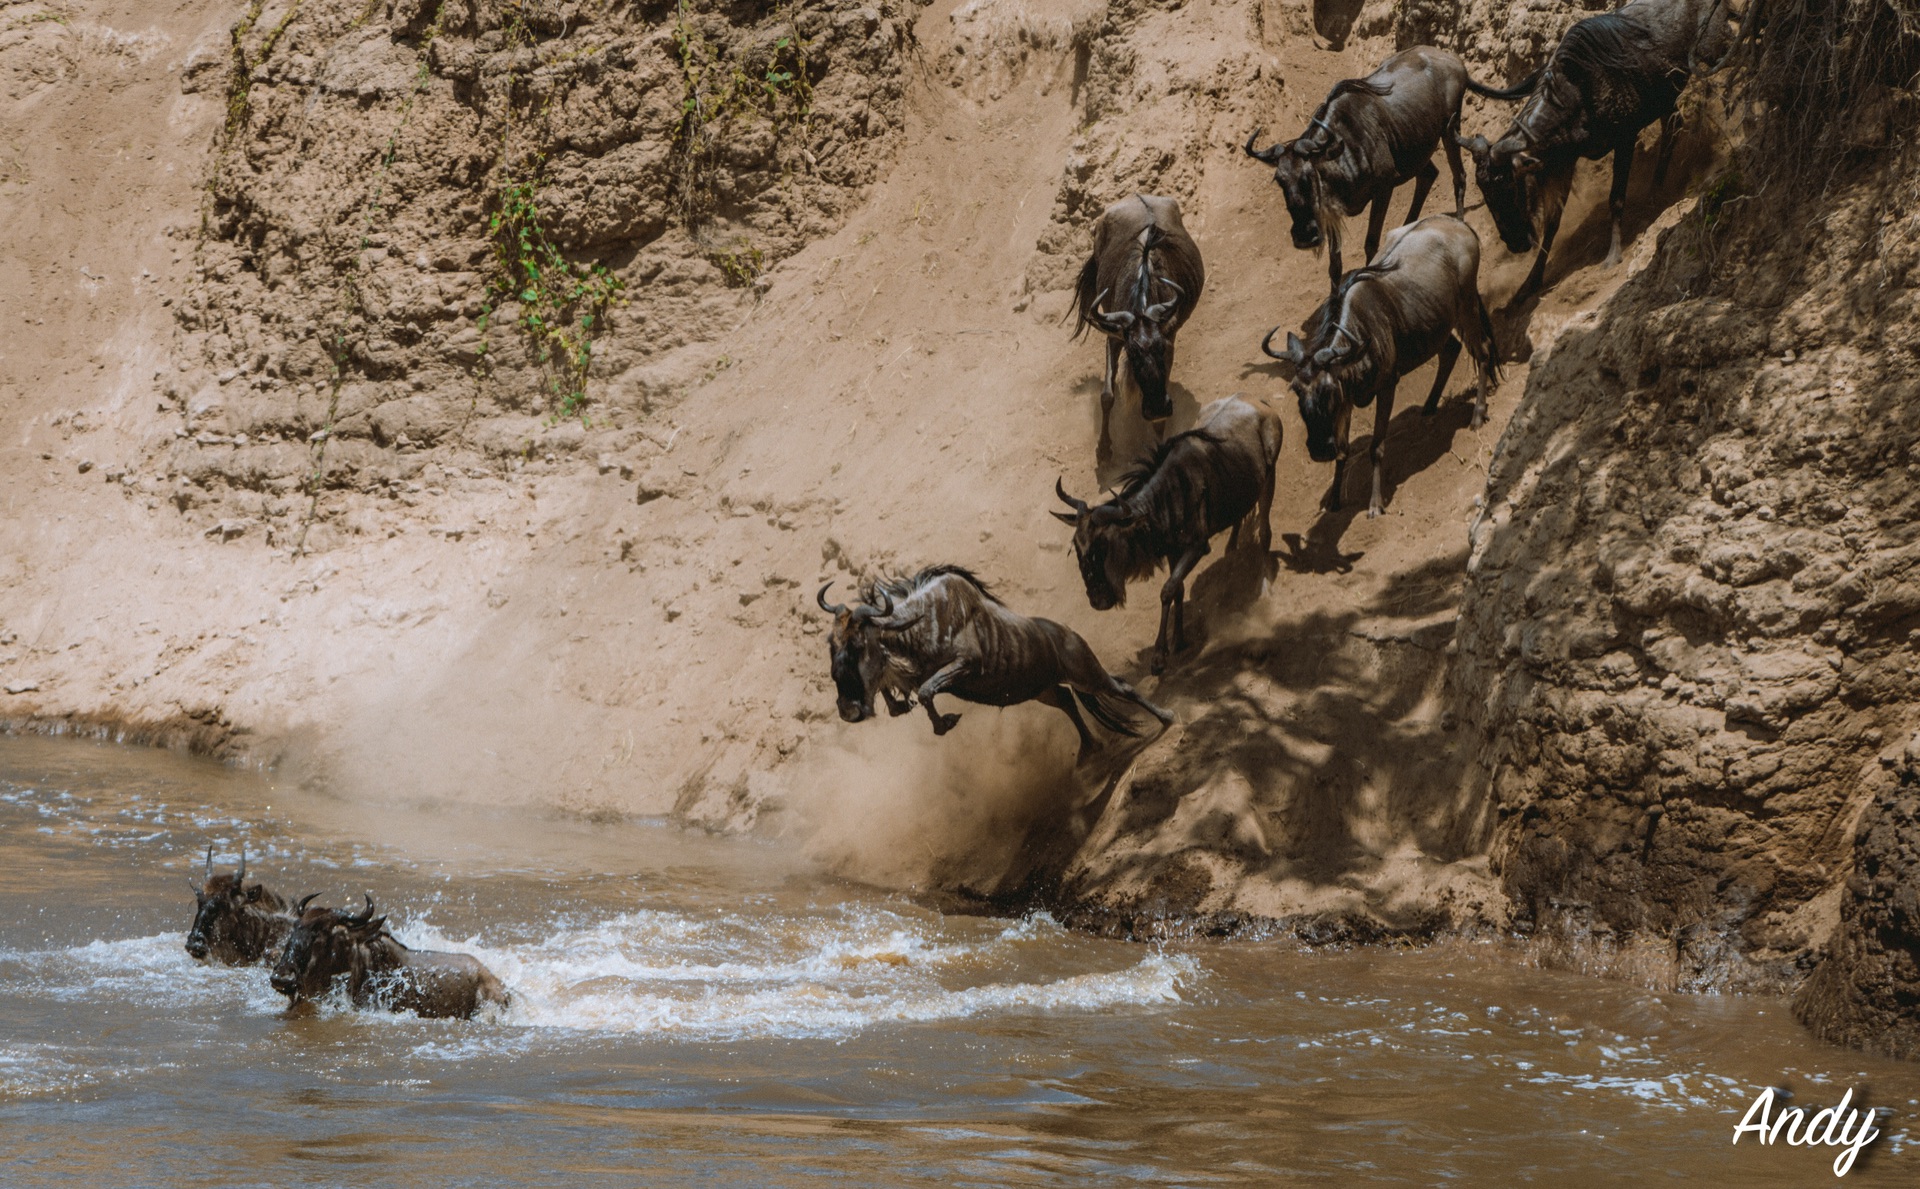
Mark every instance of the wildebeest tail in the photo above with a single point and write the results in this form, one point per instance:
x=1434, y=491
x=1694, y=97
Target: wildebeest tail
x=1524, y=87
x=1105, y=709
x=1085, y=294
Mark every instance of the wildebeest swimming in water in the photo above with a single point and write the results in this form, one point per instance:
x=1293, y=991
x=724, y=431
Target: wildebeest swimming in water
x=1172, y=503
x=326, y=945
x=1609, y=77
x=235, y=922
x=1138, y=288
x=1418, y=299
x=941, y=631
x=1367, y=138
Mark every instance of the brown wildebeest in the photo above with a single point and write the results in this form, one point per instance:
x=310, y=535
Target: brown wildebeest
x=1138, y=288
x=941, y=631
x=326, y=945
x=236, y=923
x=1172, y=503
x=1369, y=137
x=1609, y=77
x=1418, y=299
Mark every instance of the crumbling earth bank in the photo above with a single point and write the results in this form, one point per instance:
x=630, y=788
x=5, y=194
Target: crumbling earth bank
x=436, y=227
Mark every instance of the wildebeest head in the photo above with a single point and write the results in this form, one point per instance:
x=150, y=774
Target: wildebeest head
x=1296, y=170
x=1100, y=542
x=1321, y=378
x=321, y=948
x=223, y=901
x=1148, y=340
x=1503, y=170
x=856, y=650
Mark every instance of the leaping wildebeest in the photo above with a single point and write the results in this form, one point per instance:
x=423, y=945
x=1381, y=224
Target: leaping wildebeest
x=1138, y=288
x=941, y=631
x=326, y=945
x=1367, y=138
x=1419, y=298
x=1610, y=76
x=236, y=923
x=1172, y=503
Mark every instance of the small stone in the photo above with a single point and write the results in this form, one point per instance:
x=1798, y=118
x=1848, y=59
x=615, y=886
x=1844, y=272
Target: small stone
x=22, y=687
x=86, y=464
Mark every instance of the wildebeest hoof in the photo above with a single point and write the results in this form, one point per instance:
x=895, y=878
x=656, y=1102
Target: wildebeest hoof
x=1374, y=511
x=942, y=723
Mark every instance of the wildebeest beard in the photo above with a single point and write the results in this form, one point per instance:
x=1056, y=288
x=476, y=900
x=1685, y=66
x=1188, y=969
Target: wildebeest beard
x=1147, y=362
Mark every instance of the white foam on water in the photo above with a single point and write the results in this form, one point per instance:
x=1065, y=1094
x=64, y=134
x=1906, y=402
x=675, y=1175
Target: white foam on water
x=730, y=978
x=153, y=970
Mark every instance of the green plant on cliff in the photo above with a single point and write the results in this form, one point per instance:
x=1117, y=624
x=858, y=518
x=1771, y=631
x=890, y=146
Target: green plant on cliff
x=724, y=89
x=559, y=304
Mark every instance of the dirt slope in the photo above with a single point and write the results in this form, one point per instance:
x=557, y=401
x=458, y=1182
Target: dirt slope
x=489, y=602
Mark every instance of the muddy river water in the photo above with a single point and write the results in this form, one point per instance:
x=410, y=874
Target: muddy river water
x=698, y=1011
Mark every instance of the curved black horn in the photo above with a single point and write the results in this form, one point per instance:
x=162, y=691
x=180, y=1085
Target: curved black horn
x=306, y=900
x=829, y=608
x=1269, y=155
x=1060, y=489
x=1116, y=321
x=363, y=917
x=1266, y=345
x=1158, y=313
x=209, y=860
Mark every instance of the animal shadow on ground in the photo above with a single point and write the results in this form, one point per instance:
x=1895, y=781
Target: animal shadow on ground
x=1332, y=733
x=1415, y=442
x=1334, y=20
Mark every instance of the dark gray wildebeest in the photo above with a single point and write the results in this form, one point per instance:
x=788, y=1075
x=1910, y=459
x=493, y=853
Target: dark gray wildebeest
x=326, y=945
x=1172, y=503
x=1609, y=77
x=942, y=631
x=1418, y=299
x=236, y=923
x=1138, y=288
x=1367, y=138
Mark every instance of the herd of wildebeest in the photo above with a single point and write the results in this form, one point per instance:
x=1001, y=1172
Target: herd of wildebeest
x=1417, y=297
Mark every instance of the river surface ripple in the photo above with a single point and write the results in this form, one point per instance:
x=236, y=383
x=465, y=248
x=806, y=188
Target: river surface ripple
x=697, y=1011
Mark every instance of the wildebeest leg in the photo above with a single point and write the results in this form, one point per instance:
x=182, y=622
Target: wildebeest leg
x=896, y=705
x=948, y=674
x=1448, y=354
x=1553, y=203
x=1617, y=198
x=1062, y=697
x=1377, y=218
x=1105, y=450
x=1377, y=451
x=1663, y=152
x=1173, y=605
x=1120, y=687
x=1422, y=182
x=1452, y=146
x=1333, y=258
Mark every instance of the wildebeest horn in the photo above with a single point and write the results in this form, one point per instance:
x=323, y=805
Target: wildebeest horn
x=1158, y=313
x=1270, y=155
x=1116, y=321
x=306, y=900
x=363, y=917
x=829, y=608
x=1060, y=489
x=209, y=861
x=1294, y=354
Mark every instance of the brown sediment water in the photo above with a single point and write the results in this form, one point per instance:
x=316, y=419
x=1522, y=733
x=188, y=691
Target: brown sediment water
x=691, y=1010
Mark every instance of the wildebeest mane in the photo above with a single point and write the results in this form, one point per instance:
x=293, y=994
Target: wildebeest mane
x=1159, y=493
x=1314, y=138
x=902, y=587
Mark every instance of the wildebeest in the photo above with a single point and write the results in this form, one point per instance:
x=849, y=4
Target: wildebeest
x=1172, y=503
x=1367, y=138
x=235, y=922
x=1420, y=297
x=941, y=631
x=1138, y=288
x=326, y=945
x=1610, y=76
